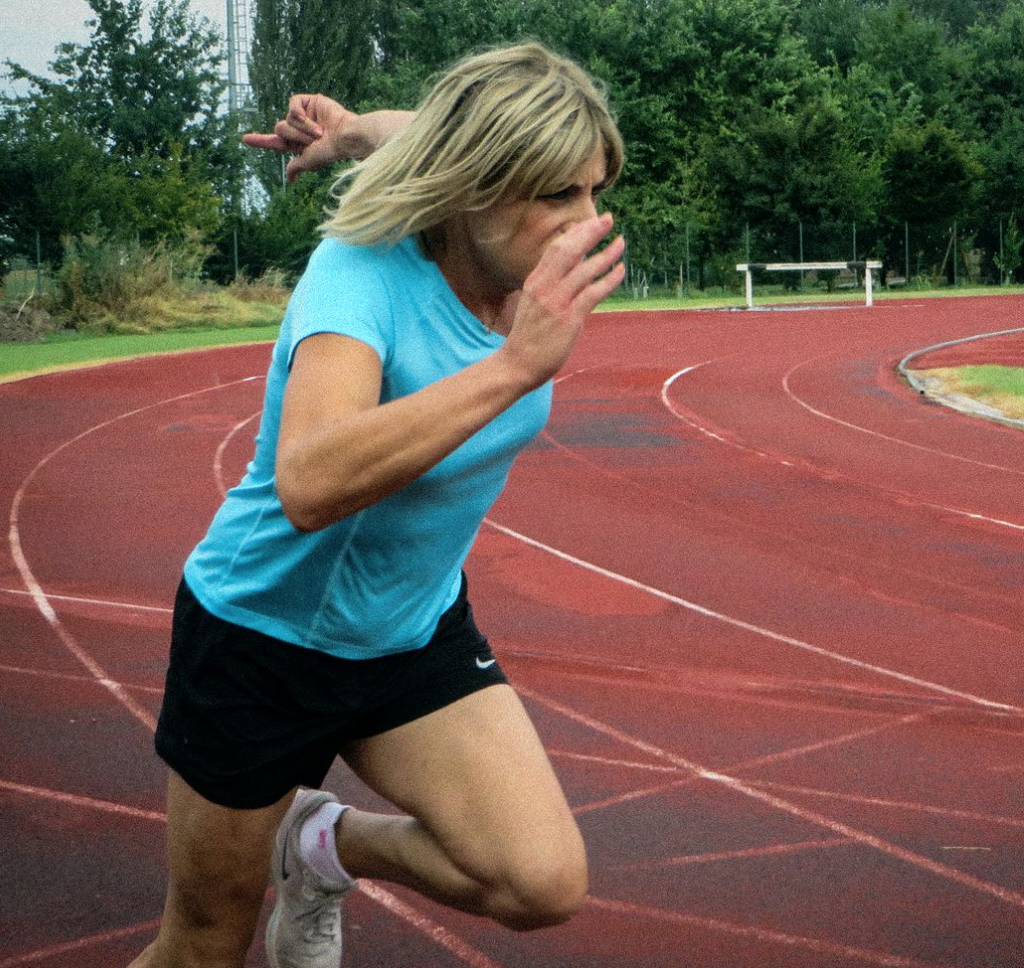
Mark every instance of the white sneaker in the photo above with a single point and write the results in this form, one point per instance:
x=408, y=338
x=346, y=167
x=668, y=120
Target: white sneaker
x=304, y=930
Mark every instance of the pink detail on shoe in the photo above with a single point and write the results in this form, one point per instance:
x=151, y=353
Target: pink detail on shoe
x=323, y=840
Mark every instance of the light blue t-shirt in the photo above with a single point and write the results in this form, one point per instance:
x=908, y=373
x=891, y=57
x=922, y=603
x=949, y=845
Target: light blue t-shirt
x=376, y=582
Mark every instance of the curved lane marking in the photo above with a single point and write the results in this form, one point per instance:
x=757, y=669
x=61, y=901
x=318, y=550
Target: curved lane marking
x=755, y=629
x=832, y=475
x=218, y=459
x=879, y=434
x=40, y=597
x=700, y=428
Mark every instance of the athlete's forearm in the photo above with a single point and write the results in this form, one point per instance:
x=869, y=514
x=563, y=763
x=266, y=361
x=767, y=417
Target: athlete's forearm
x=364, y=456
x=378, y=127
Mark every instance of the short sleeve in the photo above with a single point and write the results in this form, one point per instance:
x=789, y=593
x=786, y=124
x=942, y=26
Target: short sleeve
x=343, y=290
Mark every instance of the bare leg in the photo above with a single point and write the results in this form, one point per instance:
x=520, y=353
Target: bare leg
x=489, y=830
x=219, y=865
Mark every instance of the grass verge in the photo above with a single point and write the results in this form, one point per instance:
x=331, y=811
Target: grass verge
x=777, y=295
x=66, y=350
x=998, y=387
x=219, y=320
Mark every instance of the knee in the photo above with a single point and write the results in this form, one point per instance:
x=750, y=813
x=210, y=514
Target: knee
x=547, y=893
x=208, y=930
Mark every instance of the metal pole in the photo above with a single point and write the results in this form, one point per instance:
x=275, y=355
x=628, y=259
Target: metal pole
x=232, y=60
x=954, y=255
x=906, y=251
x=687, y=259
x=39, y=265
x=746, y=233
x=1002, y=258
x=801, y=224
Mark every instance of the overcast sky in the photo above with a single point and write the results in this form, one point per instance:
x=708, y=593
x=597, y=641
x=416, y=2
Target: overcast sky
x=30, y=29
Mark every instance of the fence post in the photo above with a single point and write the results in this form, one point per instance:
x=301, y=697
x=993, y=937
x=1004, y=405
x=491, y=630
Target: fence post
x=1002, y=260
x=906, y=253
x=39, y=265
x=687, y=258
x=801, y=225
x=955, y=279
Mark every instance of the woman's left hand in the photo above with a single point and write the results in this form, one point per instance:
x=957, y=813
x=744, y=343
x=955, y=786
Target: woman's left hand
x=561, y=292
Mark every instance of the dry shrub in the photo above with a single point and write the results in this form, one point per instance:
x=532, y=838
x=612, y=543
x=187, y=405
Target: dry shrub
x=111, y=285
x=268, y=288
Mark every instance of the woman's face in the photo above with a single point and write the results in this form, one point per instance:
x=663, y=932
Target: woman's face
x=505, y=242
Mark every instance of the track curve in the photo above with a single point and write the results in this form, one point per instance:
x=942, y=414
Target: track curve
x=762, y=599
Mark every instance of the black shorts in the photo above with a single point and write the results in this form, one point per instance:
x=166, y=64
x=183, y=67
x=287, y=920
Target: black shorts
x=247, y=717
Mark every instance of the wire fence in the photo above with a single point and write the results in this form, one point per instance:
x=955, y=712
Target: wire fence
x=913, y=256
x=27, y=278
x=685, y=262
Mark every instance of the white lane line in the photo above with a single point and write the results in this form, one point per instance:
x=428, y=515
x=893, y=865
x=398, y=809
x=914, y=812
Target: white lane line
x=99, y=602
x=87, y=803
x=218, y=459
x=40, y=597
x=437, y=933
x=45, y=954
x=754, y=792
x=829, y=475
x=751, y=853
x=755, y=629
x=910, y=806
x=71, y=677
x=887, y=437
x=765, y=935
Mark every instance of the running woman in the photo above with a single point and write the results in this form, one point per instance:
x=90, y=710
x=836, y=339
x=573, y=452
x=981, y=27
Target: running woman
x=325, y=612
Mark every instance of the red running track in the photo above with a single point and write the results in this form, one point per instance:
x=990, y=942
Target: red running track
x=762, y=600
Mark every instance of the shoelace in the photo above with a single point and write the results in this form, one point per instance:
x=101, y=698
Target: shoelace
x=322, y=922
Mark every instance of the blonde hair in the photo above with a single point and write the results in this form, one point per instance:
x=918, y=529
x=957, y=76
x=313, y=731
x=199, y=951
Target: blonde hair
x=505, y=125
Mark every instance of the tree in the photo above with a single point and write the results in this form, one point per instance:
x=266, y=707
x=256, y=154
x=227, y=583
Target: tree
x=908, y=49
x=126, y=141
x=139, y=90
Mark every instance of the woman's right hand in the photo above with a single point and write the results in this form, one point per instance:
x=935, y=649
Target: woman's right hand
x=562, y=291
x=319, y=131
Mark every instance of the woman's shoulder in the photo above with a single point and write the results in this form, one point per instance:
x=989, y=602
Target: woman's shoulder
x=337, y=255
x=345, y=273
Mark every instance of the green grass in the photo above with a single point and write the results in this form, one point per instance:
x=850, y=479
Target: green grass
x=68, y=349
x=64, y=350
x=720, y=298
x=992, y=379
x=998, y=387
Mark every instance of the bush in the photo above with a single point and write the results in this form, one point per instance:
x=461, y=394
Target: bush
x=271, y=287
x=106, y=284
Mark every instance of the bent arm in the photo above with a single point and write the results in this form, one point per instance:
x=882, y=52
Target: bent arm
x=319, y=131
x=329, y=467
x=341, y=450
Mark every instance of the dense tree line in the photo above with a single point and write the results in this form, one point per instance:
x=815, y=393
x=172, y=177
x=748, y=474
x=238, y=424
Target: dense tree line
x=754, y=127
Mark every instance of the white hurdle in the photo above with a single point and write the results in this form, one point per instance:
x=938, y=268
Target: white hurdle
x=748, y=267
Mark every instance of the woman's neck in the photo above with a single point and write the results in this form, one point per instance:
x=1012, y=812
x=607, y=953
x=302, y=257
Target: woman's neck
x=492, y=304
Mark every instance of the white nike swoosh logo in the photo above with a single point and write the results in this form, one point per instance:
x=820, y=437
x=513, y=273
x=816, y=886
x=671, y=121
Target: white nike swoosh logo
x=480, y=664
